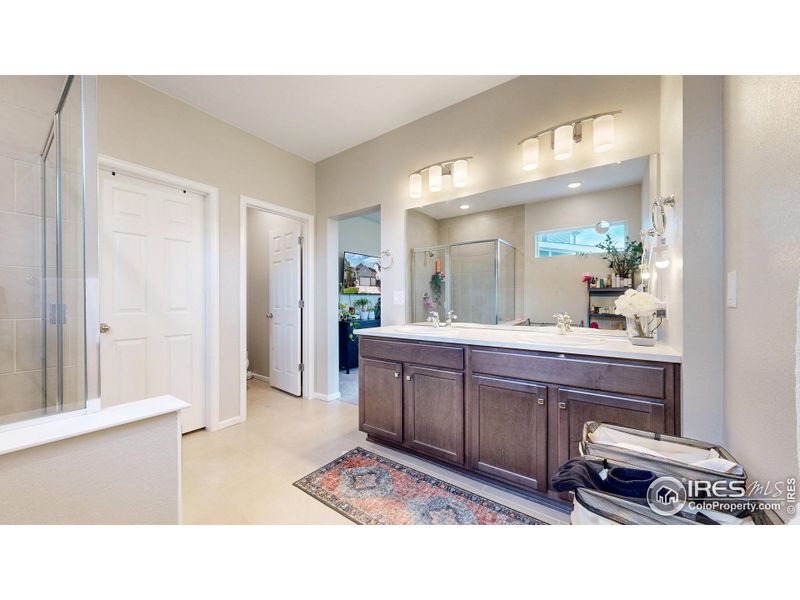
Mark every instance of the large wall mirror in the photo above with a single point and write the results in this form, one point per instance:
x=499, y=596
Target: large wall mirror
x=521, y=254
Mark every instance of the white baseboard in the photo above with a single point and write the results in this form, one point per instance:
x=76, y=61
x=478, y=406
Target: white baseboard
x=260, y=377
x=229, y=422
x=326, y=397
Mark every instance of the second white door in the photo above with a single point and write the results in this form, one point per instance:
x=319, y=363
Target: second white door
x=285, y=310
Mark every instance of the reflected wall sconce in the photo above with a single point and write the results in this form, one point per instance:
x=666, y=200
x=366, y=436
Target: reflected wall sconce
x=655, y=239
x=455, y=168
x=566, y=135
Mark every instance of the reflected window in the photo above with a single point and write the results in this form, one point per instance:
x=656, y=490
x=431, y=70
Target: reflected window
x=578, y=240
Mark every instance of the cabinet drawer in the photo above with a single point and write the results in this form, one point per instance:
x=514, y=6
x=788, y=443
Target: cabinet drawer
x=608, y=375
x=432, y=355
x=576, y=407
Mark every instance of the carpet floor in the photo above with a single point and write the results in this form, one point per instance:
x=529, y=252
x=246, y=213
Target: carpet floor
x=372, y=490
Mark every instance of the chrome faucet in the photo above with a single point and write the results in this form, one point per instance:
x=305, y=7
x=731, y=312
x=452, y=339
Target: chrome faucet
x=451, y=316
x=433, y=317
x=564, y=323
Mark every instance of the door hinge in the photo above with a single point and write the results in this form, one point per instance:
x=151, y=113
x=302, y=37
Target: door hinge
x=301, y=304
x=301, y=367
x=300, y=240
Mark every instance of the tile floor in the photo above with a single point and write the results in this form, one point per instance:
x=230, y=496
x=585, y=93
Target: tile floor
x=244, y=474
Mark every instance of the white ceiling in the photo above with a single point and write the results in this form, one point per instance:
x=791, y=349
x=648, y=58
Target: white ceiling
x=596, y=179
x=317, y=116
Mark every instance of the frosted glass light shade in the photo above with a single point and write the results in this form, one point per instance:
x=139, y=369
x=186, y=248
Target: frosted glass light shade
x=460, y=173
x=603, y=133
x=661, y=255
x=435, y=178
x=530, y=154
x=415, y=185
x=562, y=142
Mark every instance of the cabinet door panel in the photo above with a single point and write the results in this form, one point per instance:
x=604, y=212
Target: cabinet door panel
x=434, y=412
x=508, y=430
x=380, y=407
x=576, y=407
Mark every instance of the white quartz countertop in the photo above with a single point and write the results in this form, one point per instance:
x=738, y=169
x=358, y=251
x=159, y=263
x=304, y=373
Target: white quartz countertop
x=544, y=339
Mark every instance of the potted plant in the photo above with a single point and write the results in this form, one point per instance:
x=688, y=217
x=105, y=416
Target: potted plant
x=639, y=310
x=622, y=261
x=362, y=306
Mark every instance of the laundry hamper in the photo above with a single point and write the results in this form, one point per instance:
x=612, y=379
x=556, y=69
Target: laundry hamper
x=682, y=458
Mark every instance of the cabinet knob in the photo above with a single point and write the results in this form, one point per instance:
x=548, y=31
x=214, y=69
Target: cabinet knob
x=540, y=401
x=408, y=377
x=562, y=405
x=396, y=375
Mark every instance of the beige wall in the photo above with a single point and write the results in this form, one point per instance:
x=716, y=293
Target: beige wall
x=691, y=169
x=762, y=243
x=143, y=126
x=488, y=127
x=123, y=475
x=259, y=223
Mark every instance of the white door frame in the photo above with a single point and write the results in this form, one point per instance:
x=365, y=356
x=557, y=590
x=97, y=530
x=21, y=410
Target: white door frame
x=307, y=231
x=210, y=264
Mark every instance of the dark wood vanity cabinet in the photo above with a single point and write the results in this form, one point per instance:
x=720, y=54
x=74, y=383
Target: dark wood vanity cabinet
x=434, y=412
x=380, y=409
x=508, y=431
x=511, y=416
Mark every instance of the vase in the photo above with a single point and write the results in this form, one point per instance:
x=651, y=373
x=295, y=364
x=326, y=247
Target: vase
x=371, y=315
x=642, y=330
x=364, y=316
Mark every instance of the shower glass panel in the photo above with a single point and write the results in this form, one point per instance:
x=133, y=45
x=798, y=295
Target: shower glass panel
x=42, y=213
x=477, y=280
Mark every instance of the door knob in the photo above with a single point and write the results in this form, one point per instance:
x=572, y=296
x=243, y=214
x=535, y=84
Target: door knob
x=104, y=327
x=270, y=315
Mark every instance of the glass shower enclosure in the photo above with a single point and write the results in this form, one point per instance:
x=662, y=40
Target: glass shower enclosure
x=44, y=216
x=475, y=279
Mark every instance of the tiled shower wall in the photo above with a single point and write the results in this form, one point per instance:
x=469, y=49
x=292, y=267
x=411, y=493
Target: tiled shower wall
x=21, y=359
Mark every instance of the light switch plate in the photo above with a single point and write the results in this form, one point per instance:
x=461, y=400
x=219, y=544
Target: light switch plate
x=398, y=298
x=733, y=289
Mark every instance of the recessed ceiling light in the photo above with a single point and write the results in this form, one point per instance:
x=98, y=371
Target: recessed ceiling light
x=574, y=184
x=464, y=206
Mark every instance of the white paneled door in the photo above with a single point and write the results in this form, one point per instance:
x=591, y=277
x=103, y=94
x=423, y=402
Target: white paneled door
x=151, y=294
x=285, y=295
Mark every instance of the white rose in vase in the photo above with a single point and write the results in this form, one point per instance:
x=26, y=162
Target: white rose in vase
x=638, y=307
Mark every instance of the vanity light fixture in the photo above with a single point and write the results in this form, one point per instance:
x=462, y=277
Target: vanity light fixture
x=464, y=207
x=530, y=154
x=645, y=271
x=455, y=169
x=435, y=178
x=566, y=135
x=460, y=173
x=415, y=185
x=603, y=133
x=574, y=184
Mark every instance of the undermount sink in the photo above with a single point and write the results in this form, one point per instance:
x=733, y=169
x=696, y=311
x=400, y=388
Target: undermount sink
x=568, y=340
x=425, y=329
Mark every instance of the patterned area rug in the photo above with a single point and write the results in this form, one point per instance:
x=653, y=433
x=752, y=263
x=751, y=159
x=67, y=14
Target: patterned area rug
x=373, y=490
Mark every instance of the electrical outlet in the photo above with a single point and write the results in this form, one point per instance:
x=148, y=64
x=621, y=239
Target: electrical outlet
x=399, y=298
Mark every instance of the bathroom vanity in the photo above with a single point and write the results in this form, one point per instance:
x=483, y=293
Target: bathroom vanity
x=506, y=404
